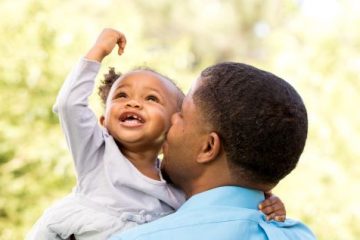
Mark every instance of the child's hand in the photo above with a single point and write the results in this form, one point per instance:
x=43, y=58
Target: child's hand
x=105, y=43
x=273, y=208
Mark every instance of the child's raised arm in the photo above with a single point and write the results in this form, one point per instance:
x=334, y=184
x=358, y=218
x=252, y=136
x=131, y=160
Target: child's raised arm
x=105, y=43
x=78, y=121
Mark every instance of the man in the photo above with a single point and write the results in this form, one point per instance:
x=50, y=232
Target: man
x=240, y=131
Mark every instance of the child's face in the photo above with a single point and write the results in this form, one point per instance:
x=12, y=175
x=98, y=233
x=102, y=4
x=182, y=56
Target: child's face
x=139, y=108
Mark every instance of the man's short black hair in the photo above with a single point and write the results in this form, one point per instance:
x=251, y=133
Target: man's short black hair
x=260, y=118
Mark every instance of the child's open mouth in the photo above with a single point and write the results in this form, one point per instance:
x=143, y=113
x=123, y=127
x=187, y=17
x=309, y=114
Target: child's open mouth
x=131, y=119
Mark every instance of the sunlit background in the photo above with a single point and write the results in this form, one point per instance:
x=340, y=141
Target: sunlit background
x=313, y=44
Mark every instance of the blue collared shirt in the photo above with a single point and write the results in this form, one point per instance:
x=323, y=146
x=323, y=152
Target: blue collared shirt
x=224, y=213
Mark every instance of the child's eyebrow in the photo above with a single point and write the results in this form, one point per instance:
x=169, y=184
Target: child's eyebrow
x=121, y=85
x=153, y=89
x=156, y=90
x=116, y=90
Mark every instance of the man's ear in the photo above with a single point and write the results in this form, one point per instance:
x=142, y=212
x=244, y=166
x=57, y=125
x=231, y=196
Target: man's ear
x=102, y=120
x=211, y=148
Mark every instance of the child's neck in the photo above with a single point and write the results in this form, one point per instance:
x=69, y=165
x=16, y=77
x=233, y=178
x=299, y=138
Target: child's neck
x=144, y=161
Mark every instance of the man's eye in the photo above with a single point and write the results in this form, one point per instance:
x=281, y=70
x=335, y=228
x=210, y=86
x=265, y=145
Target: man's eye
x=152, y=98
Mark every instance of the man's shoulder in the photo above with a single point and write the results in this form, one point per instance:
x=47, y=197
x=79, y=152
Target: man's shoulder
x=179, y=222
x=213, y=223
x=217, y=223
x=290, y=229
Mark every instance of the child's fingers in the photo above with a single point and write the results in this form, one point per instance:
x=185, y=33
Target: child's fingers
x=278, y=218
x=270, y=217
x=268, y=194
x=120, y=51
x=269, y=201
x=277, y=209
x=121, y=43
x=273, y=208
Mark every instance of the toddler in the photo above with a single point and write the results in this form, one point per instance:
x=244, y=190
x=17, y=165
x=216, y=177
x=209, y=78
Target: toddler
x=119, y=184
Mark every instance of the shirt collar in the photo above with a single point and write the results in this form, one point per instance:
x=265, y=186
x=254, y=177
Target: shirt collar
x=226, y=196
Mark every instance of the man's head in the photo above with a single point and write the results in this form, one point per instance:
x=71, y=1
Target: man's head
x=258, y=120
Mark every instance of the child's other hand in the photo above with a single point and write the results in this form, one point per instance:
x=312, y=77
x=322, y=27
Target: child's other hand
x=273, y=208
x=105, y=43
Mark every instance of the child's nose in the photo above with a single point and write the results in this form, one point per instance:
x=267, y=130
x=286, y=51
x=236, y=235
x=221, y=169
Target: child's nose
x=133, y=103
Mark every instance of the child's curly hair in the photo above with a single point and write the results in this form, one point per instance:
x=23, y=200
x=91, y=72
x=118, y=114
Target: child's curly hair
x=106, y=83
x=112, y=76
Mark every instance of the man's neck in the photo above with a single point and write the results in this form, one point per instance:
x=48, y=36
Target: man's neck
x=218, y=176
x=206, y=181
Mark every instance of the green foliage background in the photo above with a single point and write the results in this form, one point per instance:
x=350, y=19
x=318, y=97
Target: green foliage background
x=313, y=44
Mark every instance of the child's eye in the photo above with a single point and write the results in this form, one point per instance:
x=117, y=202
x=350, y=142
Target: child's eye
x=152, y=98
x=120, y=95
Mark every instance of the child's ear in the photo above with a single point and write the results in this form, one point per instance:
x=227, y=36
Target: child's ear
x=211, y=148
x=102, y=120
